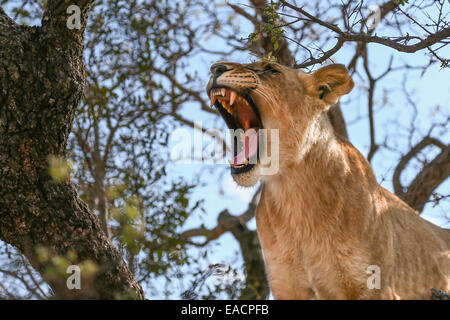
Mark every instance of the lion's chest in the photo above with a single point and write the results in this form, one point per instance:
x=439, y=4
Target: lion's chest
x=305, y=262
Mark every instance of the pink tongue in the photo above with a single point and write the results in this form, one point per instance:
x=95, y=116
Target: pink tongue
x=250, y=147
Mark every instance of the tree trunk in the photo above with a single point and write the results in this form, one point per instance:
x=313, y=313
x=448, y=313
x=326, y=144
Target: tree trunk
x=42, y=80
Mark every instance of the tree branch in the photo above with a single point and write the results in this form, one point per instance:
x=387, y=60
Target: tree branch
x=428, y=179
x=215, y=233
x=389, y=42
x=55, y=18
x=42, y=79
x=326, y=55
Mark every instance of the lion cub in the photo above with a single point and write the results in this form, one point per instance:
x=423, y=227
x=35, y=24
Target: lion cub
x=327, y=228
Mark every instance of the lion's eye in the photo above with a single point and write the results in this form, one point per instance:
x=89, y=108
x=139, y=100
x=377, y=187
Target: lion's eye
x=269, y=68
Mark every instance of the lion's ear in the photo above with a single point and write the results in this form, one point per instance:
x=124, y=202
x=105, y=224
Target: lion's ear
x=329, y=83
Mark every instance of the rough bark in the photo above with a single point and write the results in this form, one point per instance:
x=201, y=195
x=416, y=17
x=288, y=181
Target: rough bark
x=41, y=83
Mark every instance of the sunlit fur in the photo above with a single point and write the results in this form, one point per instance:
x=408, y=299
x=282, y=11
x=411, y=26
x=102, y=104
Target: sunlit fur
x=323, y=219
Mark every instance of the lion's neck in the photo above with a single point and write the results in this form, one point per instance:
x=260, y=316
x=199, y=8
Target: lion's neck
x=314, y=154
x=316, y=183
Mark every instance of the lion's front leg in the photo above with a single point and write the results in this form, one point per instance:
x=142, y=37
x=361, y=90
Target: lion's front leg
x=288, y=281
x=285, y=273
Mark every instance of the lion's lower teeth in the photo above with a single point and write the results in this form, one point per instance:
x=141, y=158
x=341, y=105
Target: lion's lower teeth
x=227, y=107
x=238, y=165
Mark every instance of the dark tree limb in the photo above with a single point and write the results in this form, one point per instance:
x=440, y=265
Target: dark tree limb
x=42, y=80
x=428, y=179
x=439, y=295
x=374, y=146
x=216, y=232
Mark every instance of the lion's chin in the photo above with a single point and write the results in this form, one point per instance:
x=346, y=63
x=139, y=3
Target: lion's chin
x=247, y=179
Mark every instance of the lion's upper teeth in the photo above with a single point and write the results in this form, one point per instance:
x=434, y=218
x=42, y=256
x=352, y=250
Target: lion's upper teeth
x=213, y=100
x=226, y=106
x=221, y=95
x=233, y=96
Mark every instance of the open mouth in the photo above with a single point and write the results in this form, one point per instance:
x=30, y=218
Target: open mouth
x=240, y=115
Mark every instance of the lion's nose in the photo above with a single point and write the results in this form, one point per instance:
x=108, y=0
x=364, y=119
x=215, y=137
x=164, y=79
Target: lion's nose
x=218, y=69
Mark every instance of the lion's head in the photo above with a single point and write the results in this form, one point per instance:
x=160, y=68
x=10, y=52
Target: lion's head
x=267, y=95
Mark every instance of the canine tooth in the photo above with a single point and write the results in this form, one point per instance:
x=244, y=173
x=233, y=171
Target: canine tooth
x=245, y=161
x=223, y=91
x=213, y=100
x=226, y=106
x=232, y=97
x=242, y=136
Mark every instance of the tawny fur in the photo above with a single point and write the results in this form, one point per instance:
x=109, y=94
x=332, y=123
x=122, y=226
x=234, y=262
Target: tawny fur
x=323, y=219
